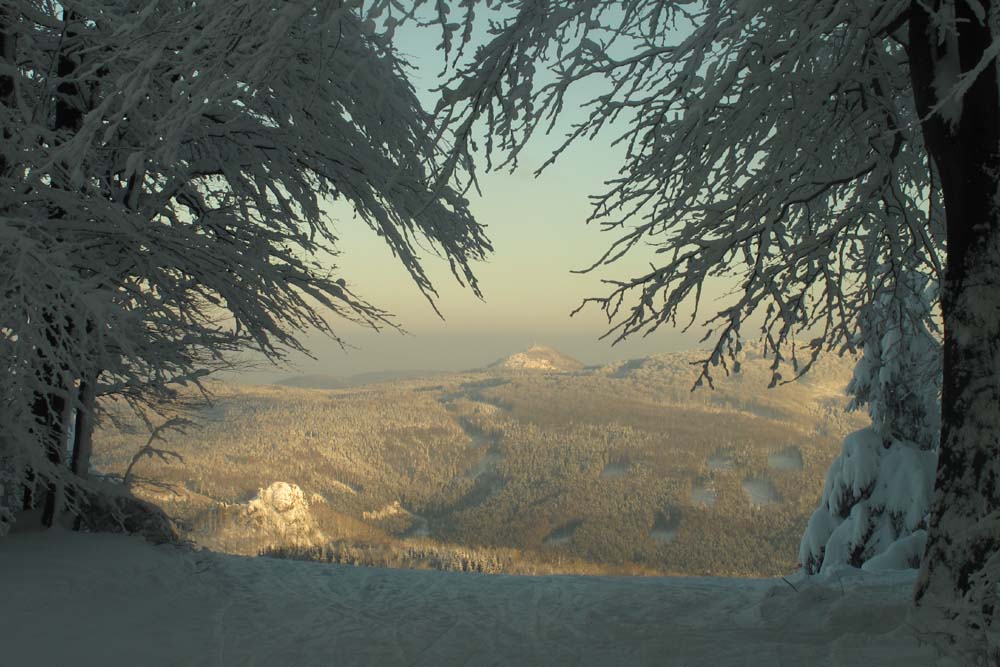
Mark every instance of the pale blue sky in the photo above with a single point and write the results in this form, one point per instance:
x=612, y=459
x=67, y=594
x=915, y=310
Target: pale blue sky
x=538, y=232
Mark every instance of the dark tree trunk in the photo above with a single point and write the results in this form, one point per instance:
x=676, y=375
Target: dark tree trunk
x=51, y=410
x=83, y=434
x=69, y=110
x=8, y=52
x=83, y=441
x=7, y=55
x=50, y=414
x=964, y=143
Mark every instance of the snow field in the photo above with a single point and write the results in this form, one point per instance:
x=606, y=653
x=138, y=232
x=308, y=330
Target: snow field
x=117, y=600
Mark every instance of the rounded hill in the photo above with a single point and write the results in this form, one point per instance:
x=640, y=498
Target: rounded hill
x=539, y=358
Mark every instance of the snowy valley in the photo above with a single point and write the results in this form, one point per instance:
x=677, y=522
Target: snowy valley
x=803, y=192
x=521, y=468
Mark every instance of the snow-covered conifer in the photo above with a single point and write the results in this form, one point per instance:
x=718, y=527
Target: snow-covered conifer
x=873, y=512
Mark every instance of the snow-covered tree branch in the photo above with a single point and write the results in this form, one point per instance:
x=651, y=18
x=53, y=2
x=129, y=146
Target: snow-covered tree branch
x=166, y=178
x=822, y=155
x=774, y=145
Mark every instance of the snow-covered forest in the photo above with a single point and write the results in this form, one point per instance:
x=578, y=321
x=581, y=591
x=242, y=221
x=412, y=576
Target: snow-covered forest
x=167, y=169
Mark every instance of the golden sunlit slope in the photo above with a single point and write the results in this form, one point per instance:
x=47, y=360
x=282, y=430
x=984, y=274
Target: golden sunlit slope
x=617, y=468
x=538, y=358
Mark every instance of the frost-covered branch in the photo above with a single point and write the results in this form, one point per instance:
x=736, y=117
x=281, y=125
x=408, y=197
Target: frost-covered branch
x=185, y=214
x=771, y=144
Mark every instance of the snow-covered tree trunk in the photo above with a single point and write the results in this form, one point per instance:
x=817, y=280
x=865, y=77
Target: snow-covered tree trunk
x=53, y=409
x=48, y=404
x=960, y=566
x=10, y=474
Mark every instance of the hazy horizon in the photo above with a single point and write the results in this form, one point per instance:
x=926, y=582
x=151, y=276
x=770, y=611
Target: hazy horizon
x=390, y=352
x=538, y=230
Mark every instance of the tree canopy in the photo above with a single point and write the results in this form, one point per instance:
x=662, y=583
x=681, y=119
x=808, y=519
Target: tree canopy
x=165, y=181
x=776, y=145
x=815, y=153
x=165, y=166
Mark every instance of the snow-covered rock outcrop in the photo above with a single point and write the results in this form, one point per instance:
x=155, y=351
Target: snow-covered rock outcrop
x=283, y=509
x=278, y=515
x=392, y=509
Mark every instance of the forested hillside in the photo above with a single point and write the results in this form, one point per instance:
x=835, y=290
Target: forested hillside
x=619, y=468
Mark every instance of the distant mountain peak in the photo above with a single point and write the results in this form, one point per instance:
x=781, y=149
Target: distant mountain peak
x=539, y=358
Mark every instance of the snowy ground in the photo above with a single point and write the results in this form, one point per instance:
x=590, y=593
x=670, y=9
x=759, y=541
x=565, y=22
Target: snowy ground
x=68, y=598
